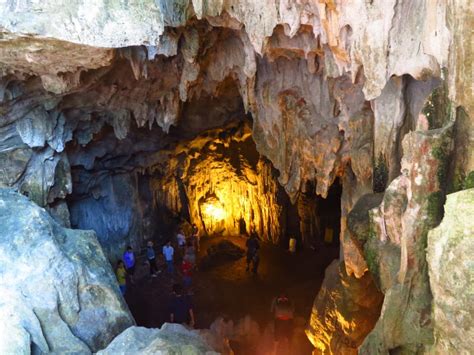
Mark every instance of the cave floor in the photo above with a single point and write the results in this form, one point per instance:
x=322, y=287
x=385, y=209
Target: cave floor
x=229, y=291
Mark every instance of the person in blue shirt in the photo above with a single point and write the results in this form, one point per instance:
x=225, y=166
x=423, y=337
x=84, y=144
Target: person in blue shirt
x=129, y=261
x=168, y=253
x=151, y=257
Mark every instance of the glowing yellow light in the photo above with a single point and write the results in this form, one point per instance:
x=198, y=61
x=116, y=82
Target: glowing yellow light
x=214, y=211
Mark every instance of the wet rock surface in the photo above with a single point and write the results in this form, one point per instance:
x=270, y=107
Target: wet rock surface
x=59, y=293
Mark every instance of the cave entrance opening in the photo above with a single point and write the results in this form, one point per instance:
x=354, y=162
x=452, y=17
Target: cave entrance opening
x=147, y=184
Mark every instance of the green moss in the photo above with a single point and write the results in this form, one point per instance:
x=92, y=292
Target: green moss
x=371, y=253
x=438, y=108
x=35, y=193
x=440, y=152
x=435, y=208
x=372, y=260
x=469, y=181
x=380, y=177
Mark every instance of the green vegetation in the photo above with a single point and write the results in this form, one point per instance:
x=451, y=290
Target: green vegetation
x=435, y=208
x=380, y=177
x=438, y=108
x=469, y=181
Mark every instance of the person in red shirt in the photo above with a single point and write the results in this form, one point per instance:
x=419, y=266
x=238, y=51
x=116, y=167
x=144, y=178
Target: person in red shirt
x=186, y=270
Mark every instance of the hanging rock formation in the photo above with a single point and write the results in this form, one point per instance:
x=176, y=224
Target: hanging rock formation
x=376, y=94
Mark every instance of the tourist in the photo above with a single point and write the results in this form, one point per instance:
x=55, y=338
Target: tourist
x=283, y=312
x=195, y=237
x=186, y=270
x=181, y=309
x=253, y=247
x=151, y=257
x=121, y=276
x=129, y=261
x=181, y=240
x=190, y=253
x=168, y=253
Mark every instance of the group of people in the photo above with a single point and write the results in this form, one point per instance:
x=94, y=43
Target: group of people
x=180, y=307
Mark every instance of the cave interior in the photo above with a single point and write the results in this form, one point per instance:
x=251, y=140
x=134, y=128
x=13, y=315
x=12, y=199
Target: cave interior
x=205, y=171
x=291, y=142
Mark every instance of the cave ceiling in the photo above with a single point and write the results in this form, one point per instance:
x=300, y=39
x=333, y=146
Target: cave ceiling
x=331, y=89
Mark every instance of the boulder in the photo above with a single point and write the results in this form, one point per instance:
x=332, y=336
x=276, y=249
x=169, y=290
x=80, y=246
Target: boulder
x=451, y=271
x=344, y=311
x=220, y=253
x=170, y=339
x=59, y=293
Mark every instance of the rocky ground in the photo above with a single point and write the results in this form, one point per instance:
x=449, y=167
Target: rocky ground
x=228, y=291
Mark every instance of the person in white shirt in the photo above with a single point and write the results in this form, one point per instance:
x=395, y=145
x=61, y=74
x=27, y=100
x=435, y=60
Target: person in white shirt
x=168, y=253
x=181, y=239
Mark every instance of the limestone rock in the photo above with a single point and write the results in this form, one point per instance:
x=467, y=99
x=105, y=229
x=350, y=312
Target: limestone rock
x=344, y=311
x=451, y=270
x=333, y=92
x=170, y=339
x=412, y=204
x=59, y=293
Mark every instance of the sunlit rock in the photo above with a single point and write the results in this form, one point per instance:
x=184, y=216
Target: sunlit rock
x=59, y=293
x=395, y=249
x=451, y=271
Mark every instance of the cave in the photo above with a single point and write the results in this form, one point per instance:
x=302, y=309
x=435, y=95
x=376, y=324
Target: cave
x=205, y=171
x=338, y=135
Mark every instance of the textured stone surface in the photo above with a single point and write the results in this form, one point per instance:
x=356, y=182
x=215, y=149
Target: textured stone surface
x=395, y=249
x=451, y=270
x=333, y=89
x=170, y=339
x=59, y=293
x=344, y=311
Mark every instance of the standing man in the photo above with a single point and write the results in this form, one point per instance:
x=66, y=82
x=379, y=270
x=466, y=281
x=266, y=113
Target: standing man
x=168, y=253
x=151, y=257
x=195, y=237
x=129, y=261
x=252, y=253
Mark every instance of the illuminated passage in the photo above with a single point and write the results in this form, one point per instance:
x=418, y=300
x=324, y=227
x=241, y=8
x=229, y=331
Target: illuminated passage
x=226, y=188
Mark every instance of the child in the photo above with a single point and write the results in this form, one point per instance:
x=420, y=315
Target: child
x=121, y=276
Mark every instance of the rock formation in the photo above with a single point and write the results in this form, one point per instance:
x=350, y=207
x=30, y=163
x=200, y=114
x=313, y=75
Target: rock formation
x=97, y=100
x=59, y=293
x=170, y=339
x=451, y=272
